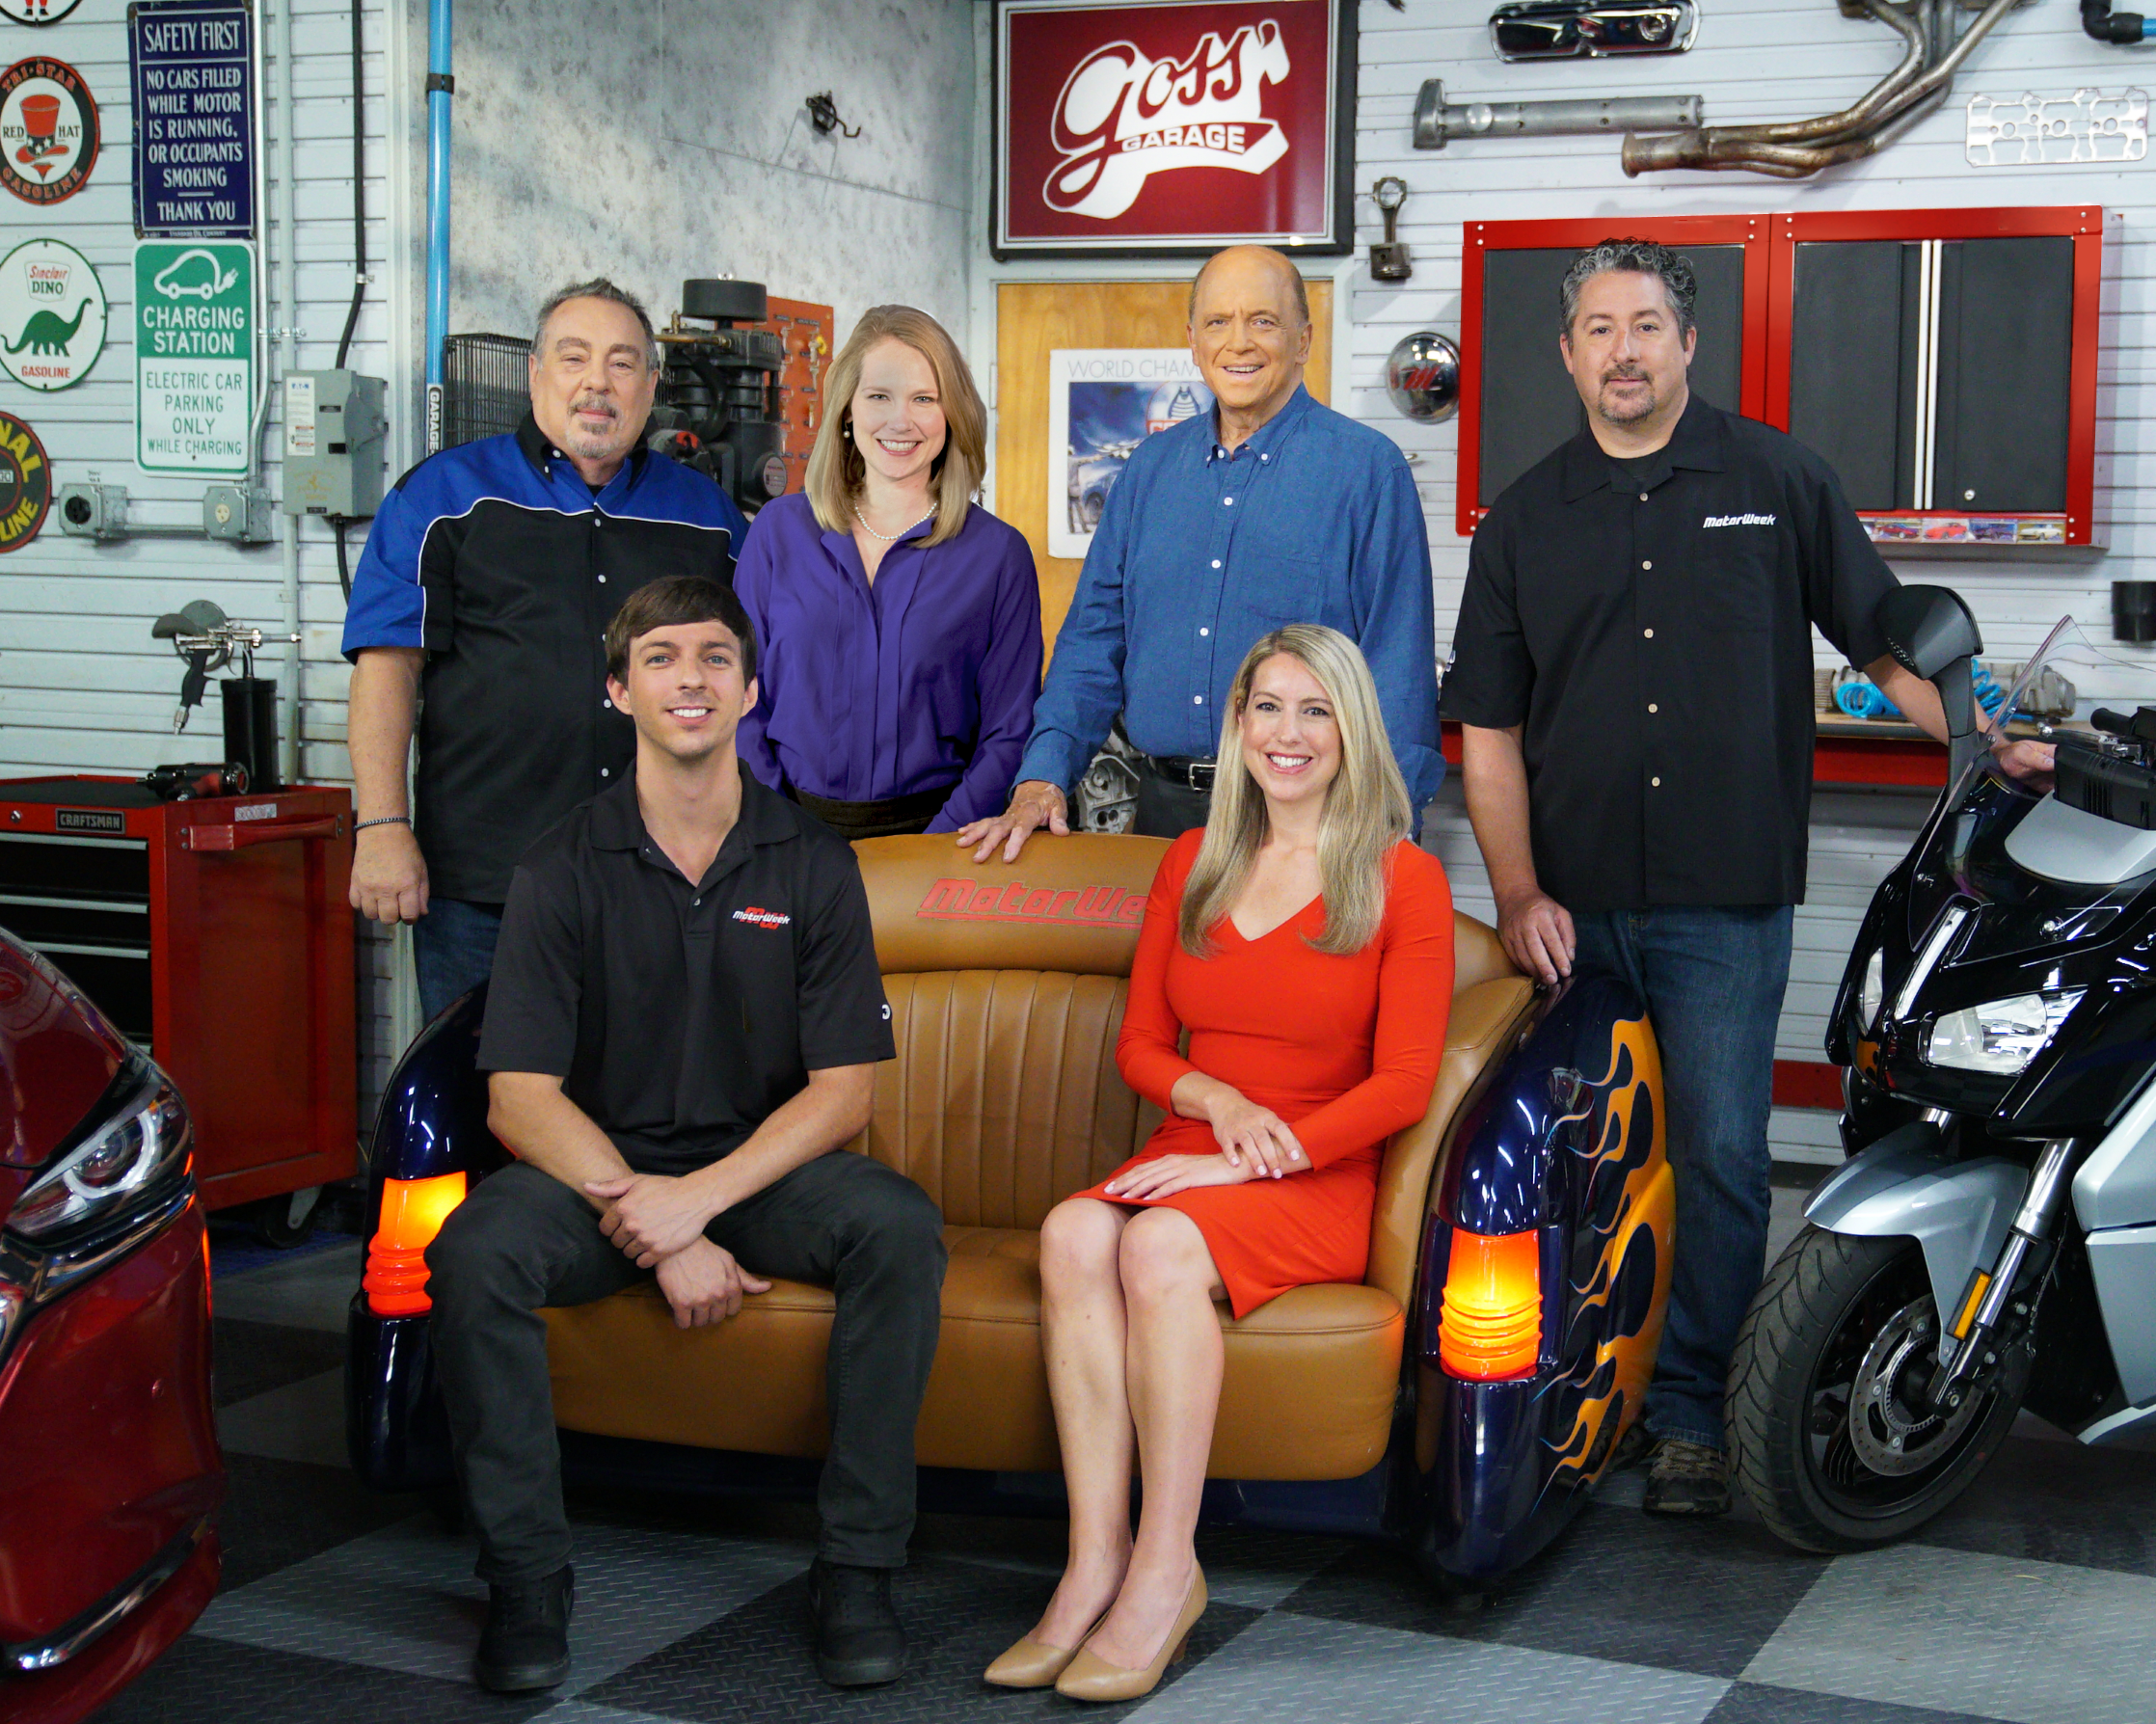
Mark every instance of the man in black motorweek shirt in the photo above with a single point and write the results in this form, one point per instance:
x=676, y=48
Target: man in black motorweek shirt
x=1632, y=673
x=683, y=1027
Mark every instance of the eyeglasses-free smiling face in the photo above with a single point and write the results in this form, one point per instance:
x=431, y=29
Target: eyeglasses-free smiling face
x=1289, y=735
x=1625, y=354
x=592, y=380
x=1247, y=333
x=685, y=690
x=897, y=412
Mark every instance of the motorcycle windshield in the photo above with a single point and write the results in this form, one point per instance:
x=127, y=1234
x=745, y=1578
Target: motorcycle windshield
x=2068, y=676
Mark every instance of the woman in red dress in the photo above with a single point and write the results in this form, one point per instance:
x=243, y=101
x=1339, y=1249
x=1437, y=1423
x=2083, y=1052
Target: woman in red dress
x=1307, y=947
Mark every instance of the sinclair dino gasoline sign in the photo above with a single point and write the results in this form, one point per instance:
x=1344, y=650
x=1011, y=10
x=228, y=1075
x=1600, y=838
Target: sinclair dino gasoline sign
x=1131, y=126
x=52, y=314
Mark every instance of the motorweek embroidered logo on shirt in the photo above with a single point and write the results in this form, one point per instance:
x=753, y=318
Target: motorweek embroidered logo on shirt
x=1739, y=521
x=759, y=917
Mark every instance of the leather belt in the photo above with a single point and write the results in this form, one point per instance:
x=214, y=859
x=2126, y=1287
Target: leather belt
x=1176, y=768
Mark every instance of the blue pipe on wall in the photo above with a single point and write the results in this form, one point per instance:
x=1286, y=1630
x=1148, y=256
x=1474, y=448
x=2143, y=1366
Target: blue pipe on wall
x=441, y=86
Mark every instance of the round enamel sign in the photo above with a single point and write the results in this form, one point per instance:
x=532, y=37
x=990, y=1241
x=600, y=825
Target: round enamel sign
x=25, y=483
x=52, y=314
x=49, y=130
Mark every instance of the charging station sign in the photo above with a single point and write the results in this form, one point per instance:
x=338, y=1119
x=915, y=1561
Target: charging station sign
x=195, y=377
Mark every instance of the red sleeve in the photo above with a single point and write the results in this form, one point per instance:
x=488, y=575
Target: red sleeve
x=1414, y=998
x=1147, y=1051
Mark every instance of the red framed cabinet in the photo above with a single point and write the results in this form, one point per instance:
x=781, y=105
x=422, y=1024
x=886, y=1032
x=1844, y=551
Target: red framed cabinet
x=1943, y=361
x=217, y=933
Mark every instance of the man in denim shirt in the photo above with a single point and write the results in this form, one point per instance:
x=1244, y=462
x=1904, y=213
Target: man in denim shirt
x=1272, y=509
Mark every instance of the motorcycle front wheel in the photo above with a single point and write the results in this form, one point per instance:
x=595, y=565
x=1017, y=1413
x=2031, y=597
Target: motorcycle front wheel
x=1831, y=1437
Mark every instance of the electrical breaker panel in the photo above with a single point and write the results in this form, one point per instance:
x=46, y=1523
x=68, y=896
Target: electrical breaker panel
x=333, y=430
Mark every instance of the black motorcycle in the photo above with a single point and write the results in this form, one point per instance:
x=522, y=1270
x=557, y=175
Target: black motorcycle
x=1991, y=1243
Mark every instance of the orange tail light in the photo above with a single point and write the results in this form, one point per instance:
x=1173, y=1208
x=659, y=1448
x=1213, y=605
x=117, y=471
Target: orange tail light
x=412, y=1211
x=1491, y=1325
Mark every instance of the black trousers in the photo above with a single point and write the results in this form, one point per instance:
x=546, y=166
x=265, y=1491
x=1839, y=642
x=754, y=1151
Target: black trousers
x=522, y=1240
x=1165, y=809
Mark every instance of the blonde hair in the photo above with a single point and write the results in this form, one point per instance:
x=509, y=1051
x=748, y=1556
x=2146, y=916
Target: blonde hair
x=836, y=470
x=1366, y=808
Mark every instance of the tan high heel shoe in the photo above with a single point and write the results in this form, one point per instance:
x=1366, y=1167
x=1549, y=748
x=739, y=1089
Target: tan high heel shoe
x=1036, y=1664
x=1091, y=1677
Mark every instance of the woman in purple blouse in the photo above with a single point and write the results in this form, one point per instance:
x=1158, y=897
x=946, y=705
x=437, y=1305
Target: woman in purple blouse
x=899, y=623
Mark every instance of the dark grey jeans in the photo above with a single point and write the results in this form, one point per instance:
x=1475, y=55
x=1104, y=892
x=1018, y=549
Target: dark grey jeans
x=522, y=1240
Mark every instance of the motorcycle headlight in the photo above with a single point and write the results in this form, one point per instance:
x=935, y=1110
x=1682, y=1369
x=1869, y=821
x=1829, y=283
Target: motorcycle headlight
x=2000, y=1036
x=142, y=1148
x=1874, y=990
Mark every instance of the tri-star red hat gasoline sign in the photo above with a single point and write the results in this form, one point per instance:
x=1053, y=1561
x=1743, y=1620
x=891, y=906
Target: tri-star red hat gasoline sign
x=1124, y=125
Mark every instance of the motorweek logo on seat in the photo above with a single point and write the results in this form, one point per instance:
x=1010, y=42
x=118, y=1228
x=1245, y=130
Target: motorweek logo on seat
x=961, y=899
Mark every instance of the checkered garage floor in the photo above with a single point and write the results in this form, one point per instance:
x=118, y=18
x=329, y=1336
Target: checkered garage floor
x=2033, y=1600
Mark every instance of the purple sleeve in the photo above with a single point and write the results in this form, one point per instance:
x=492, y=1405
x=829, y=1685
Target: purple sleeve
x=1010, y=684
x=753, y=586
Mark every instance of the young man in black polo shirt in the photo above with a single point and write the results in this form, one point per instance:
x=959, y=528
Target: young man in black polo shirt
x=683, y=1025
x=1632, y=672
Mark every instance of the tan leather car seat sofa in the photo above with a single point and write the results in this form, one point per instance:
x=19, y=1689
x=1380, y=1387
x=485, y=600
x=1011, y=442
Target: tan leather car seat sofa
x=1007, y=985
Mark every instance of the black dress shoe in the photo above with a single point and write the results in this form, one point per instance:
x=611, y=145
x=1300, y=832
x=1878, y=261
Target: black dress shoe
x=526, y=1642
x=858, y=1640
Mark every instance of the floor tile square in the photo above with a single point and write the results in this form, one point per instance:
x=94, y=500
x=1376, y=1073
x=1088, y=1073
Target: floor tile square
x=277, y=1513
x=250, y=1359
x=755, y=1667
x=405, y=1598
x=205, y=1680
x=2047, y=1501
x=1702, y=1596
x=2001, y=1638
x=1755, y=1703
x=1293, y=1668
x=299, y=1421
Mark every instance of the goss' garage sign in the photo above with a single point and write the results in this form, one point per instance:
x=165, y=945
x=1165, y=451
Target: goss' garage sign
x=1126, y=126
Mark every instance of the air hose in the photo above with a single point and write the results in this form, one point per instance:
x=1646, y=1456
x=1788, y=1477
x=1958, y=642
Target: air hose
x=2118, y=27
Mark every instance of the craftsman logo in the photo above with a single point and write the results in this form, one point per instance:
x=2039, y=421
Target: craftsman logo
x=49, y=130
x=1739, y=521
x=1081, y=906
x=1122, y=117
x=757, y=917
x=255, y=810
x=89, y=820
x=25, y=483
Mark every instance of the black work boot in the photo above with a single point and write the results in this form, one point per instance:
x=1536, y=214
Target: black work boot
x=858, y=1640
x=526, y=1642
x=1686, y=1478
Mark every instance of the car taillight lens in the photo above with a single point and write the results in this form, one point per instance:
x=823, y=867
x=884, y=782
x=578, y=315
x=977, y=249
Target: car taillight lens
x=1490, y=1324
x=141, y=1149
x=412, y=1211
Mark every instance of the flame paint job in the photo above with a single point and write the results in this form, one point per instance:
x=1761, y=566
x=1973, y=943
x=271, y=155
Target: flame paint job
x=1569, y=1140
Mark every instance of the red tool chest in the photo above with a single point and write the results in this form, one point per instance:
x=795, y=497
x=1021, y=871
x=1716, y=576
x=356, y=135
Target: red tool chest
x=217, y=935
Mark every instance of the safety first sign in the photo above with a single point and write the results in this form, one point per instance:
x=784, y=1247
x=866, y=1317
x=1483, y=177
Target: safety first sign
x=195, y=369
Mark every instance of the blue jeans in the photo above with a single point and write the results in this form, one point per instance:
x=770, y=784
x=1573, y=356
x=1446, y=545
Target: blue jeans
x=452, y=948
x=1713, y=980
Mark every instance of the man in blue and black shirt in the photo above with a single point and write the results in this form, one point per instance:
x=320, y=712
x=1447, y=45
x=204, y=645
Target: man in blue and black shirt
x=1271, y=509
x=478, y=614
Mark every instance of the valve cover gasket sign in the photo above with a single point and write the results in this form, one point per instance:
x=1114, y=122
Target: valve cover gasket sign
x=195, y=367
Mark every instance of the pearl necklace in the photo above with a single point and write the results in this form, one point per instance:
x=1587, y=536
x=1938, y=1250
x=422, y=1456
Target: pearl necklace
x=887, y=538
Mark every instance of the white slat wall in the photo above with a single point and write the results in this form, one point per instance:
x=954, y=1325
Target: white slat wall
x=82, y=685
x=1763, y=59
